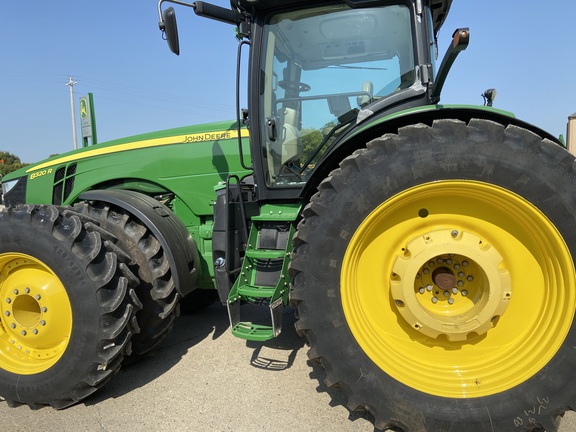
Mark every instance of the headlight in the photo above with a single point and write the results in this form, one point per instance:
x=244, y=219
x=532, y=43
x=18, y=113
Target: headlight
x=14, y=191
x=8, y=185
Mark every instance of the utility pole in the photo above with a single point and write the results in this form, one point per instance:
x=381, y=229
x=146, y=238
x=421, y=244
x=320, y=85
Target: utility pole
x=71, y=84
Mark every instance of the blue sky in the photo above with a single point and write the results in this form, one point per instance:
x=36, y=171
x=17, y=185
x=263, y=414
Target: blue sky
x=114, y=50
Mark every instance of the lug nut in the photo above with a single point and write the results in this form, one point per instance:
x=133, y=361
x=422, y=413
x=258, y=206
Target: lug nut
x=464, y=293
x=37, y=297
x=13, y=325
x=27, y=290
x=7, y=313
x=454, y=233
x=434, y=300
x=23, y=332
x=450, y=301
x=15, y=291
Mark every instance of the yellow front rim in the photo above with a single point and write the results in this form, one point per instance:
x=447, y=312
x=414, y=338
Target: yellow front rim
x=458, y=288
x=36, y=320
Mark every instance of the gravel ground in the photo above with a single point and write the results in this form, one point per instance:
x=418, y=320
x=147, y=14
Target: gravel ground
x=201, y=378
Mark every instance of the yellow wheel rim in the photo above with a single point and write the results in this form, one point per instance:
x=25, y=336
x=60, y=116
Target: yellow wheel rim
x=36, y=316
x=458, y=288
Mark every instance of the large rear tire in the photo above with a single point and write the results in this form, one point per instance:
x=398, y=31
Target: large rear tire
x=66, y=307
x=434, y=278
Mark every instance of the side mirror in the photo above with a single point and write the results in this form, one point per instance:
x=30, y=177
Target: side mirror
x=169, y=27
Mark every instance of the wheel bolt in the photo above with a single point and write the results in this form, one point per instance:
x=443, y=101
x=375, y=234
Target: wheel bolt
x=37, y=297
x=27, y=290
x=450, y=301
x=8, y=300
x=446, y=294
x=13, y=325
x=23, y=332
x=43, y=322
x=44, y=309
x=429, y=287
x=434, y=300
x=470, y=278
x=464, y=293
x=15, y=292
x=35, y=331
x=422, y=290
x=454, y=290
x=7, y=313
x=454, y=233
x=460, y=283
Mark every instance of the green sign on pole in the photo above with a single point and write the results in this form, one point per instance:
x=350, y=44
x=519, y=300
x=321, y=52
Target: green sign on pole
x=88, y=120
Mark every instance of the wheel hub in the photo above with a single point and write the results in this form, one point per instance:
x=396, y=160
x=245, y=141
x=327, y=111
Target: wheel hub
x=35, y=314
x=449, y=283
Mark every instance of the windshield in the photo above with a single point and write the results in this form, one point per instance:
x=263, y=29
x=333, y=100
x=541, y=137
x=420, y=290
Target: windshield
x=319, y=67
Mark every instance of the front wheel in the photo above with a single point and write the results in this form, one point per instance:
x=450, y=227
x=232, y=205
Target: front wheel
x=66, y=307
x=434, y=278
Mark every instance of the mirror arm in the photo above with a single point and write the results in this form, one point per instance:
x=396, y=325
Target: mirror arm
x=460, y=40
x=161, y=18
x=206, y=10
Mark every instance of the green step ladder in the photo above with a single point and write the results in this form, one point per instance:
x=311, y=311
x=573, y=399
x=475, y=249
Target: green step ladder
x=263, y=278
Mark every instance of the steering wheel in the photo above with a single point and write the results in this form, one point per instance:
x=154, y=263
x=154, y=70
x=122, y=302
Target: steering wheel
x=294, y=86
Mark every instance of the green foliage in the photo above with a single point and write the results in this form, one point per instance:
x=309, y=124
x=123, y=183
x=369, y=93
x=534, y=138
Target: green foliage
x=311, y=138
x=9, y=163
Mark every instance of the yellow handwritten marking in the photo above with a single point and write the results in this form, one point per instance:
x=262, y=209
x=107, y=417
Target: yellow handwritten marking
x=155, y=142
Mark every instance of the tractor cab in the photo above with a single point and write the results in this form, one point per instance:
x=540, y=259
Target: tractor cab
x=319, y=69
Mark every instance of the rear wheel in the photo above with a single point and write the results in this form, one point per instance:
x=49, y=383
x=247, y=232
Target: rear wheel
x=65, y=304
x=434, y=278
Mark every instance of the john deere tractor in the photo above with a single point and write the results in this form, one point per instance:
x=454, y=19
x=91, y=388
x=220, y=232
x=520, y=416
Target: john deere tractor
x=427, y=249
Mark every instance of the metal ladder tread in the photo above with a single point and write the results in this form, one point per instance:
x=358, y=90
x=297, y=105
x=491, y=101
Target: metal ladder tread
x=253, y=332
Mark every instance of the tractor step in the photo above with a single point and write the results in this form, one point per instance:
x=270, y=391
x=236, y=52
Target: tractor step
x=253, y=331
x=256, y=292
x=264, y=254
x=263, y=280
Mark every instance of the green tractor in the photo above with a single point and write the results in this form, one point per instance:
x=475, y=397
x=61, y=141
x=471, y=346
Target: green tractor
x=427, y=249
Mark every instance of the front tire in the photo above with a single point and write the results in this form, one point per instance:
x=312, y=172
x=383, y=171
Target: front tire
x=66, y=307
x=434, y=278
x=156, y=289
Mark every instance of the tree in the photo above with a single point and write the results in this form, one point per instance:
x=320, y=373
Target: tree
x=9, y=163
